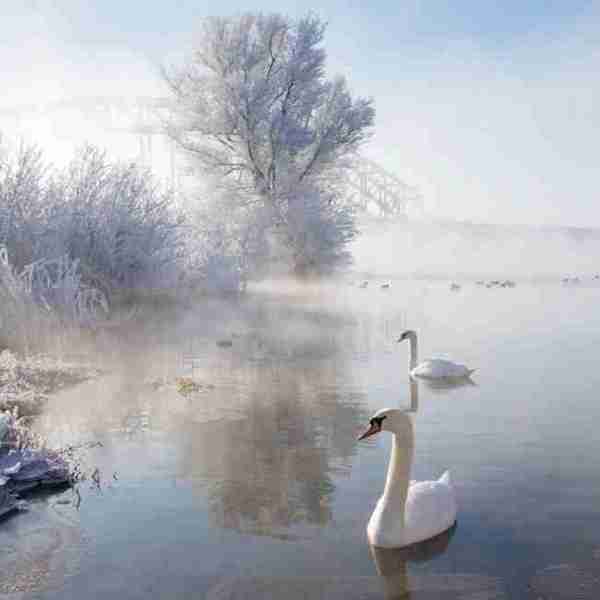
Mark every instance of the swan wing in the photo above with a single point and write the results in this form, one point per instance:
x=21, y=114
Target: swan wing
x=430, y=508
x=437, y=368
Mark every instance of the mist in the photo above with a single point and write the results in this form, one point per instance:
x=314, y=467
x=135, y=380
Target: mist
x=445, y=249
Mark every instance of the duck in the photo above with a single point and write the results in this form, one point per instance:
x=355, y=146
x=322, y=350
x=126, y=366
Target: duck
x=434, y=368
x=408, y=512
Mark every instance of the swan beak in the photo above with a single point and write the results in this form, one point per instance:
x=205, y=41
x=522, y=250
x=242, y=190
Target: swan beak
x=373, y=429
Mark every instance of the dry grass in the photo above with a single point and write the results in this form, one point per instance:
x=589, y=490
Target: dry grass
x=26, y=383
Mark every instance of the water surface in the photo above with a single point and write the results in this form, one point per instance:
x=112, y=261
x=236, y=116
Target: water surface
x=257, y=488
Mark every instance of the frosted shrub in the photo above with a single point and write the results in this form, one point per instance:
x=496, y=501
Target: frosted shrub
x=46, y=294
x=117, y=222
x=56, y=284
x=23, y=216
x=76, y=236
x=19, y=316
x=111, y=217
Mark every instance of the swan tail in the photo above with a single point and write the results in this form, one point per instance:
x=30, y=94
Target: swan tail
x=445, y=478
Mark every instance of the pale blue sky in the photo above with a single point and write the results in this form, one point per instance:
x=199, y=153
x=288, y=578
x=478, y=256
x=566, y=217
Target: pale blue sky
x=492, y=107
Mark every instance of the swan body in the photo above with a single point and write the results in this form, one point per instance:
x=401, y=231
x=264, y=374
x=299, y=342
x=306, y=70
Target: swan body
x=434, y=368
x=408, y=511
x=430, y=509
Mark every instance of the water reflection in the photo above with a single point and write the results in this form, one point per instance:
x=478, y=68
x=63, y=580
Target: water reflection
x=413, y=387
x=263, y=451
x=272, y=466
x=391, y=564
x=441, y=385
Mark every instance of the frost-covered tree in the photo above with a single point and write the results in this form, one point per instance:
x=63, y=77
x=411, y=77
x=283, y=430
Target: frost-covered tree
x=254, y=106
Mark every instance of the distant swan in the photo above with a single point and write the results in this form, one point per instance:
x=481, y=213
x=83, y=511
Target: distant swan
x=407, y=512
x=434, y=368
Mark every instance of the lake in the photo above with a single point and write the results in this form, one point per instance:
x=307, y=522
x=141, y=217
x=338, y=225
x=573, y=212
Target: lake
x=254, y=486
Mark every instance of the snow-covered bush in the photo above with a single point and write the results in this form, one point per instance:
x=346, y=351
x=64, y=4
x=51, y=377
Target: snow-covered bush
x=23, y=216
x=57, y=286
x=111, y=217
x=45, y=295
x=76, y=236
x=114, y=218
x=19, y=316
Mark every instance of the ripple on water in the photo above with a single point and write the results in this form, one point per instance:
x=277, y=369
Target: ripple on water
x=453, y=586
x=40, y=551
x=572, y=581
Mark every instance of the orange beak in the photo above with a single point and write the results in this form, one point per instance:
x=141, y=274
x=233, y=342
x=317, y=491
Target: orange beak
x=373, y=429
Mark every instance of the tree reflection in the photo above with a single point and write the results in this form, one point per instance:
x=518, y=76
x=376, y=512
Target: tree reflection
x=272, y=466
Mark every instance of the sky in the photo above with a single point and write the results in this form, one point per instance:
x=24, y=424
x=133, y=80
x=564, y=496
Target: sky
x=491, y=108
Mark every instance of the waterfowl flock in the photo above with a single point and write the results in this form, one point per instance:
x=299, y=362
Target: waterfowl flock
x=492, y=283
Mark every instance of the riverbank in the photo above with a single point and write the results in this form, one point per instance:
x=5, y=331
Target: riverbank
x=26, y=382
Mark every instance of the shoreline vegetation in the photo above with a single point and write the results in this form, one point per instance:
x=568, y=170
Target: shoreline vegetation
x=27, y=382
x=26, y=463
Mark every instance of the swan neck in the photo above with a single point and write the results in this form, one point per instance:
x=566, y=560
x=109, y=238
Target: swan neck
x=413, y=351
x=397, y=482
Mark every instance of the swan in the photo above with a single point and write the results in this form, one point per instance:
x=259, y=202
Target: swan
x=407, y=512
x=434, y=368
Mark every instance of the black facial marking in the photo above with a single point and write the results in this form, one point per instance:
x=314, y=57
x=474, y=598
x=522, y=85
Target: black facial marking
x=377, y=421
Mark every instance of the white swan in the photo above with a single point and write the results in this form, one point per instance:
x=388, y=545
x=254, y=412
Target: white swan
x=407, y=513
x=433, y=368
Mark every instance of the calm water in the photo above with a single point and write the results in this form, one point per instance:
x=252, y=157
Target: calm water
x=258, y=489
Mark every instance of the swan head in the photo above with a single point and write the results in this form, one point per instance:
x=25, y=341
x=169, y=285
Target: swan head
x=406, y=335
x=386, y=419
